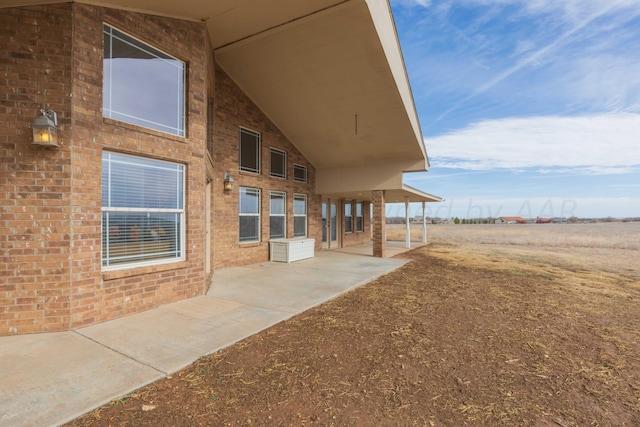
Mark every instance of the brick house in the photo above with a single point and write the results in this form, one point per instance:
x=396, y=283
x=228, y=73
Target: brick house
x=189, y=134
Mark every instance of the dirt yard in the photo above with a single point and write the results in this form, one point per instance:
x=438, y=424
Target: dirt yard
x=468, y=333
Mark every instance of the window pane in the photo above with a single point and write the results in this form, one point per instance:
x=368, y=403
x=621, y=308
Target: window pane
x=249, y=201
x=249, y=228
x=299, y=173
x=278, y=163
x=276, y=227
x=136, y=182
x=359, y=224
x=142, y=85
x=300, y=226
x=249, y=151
x=132, y=237
x=299, y=205
x=277, y=206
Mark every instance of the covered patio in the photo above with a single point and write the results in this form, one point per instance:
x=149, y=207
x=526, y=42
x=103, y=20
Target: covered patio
x=98, y=363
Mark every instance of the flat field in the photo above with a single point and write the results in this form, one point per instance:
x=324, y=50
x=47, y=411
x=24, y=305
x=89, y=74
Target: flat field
x=609, y=246
x=509, y=325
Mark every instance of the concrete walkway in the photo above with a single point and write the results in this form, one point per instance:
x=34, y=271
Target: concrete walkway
x=50, y=379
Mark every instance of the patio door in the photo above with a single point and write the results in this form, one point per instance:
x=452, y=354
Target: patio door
x=334, y=225
x=325, y=226
x=330, y=225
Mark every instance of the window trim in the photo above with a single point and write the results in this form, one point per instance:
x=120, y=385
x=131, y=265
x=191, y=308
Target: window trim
x=108, y=113
x=182, y=169
x=240, y=214
x=284, y=166
x=258, y=135
x=305, y=215
x=300, y=167
x=283, y=215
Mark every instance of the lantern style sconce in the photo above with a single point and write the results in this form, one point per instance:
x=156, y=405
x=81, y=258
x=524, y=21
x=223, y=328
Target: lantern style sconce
x=44, y=129
x=228, y=182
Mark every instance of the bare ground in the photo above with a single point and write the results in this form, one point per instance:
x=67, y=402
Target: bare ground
x=463, y=335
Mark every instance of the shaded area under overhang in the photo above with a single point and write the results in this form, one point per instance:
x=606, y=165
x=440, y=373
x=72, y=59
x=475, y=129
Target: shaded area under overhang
x=334, y=83
x=328, y=73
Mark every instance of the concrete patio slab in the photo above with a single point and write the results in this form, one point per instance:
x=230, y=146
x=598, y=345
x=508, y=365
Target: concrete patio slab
x=301, y=285
x=86, y=375
x=99, y=363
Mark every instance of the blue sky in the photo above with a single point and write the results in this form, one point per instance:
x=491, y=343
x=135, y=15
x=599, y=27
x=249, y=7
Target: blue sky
x=528, y=107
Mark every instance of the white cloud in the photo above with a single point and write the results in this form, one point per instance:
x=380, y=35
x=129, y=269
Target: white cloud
x=605, y=143
x=409, y=3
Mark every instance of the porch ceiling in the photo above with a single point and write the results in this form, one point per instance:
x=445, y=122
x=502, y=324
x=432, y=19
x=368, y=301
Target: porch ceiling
x=328, y=73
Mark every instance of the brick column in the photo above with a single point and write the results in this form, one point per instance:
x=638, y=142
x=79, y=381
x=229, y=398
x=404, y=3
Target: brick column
x=379, y=230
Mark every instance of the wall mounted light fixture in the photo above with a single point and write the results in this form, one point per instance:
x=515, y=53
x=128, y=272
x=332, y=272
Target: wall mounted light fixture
x=44, y=129
x=228, y=182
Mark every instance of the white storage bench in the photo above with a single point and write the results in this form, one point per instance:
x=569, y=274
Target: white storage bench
x=289, y=250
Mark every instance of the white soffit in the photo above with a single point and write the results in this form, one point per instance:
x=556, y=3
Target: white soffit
x=328, y=73
x=325, y=80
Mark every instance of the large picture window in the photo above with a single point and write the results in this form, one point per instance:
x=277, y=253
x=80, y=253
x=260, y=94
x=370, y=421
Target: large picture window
x=249, y=151
x=142, y=85
x=299, y=215
x=143, y=217
x=249, y=215
x=277, y=215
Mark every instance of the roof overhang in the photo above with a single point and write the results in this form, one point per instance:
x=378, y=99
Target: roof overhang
x=328, y=73
x=409, y=194
x=402, y=194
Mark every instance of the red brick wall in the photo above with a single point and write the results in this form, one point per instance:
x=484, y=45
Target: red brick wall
x=233, y=109
x=35, y=182
x=50, y=215
x=357, y=238
x=50, y=210
x=97, y=295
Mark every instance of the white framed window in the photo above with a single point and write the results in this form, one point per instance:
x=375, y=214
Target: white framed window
x=143, y=215
x=249, y=215
x=142, y=85
x=359, y=217
x=278, y=163
x=277, y=214
x=300, y=173
x=299, y=215
x=249, y=150
x=348, y=217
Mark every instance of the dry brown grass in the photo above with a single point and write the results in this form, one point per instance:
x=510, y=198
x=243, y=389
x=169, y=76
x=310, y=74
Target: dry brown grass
x=468, y=333
x=604, y=247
